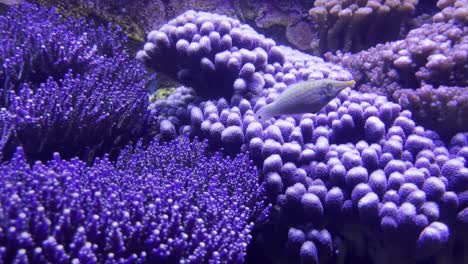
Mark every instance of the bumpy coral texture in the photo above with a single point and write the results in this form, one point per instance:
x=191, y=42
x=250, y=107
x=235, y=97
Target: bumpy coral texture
x=359, y=181
x=433, y=56
x=170, y=203
x=354, y=25
x=218, y=56
x=283, y=20
x=444, y=108
x=67, y=86
x=171, y=112
x=452, y=10
x=370, y=181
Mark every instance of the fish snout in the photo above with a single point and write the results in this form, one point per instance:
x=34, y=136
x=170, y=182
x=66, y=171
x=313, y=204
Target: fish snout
x=344, y=84
x=350, y=83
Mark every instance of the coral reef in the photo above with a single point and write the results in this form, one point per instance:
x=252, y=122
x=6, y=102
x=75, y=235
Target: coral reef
x=172, y=110
x=373, y=198
x=169, y=203
x=284, y=20
x=122, y=13
x=215, y=55
x=364, y=180
x=355, y=25
x=315, y=26
x=360, y=178
x=81, y=95
x=433, y=55
x=452, y=10
x=444, y=108
x=50, y=46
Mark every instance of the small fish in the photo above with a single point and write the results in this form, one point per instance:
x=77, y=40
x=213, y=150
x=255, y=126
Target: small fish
x=303, y=97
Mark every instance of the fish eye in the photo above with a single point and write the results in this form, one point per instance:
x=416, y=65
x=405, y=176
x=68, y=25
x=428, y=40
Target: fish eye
x=259, y=117
x=329, y=86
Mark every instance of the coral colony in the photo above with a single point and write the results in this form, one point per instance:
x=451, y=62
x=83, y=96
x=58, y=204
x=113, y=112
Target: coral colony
x=93, y=172
x=68, y=86
x=433, y=58
x=171, y=203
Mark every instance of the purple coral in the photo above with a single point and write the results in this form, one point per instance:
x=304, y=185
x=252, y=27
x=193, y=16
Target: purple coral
x=92, y=102
x=219, y=56
x=49, y=46
x=360, y=166
x=394, y=185
x=433, y=54
x=435, y=107
x=425, y=72
x=392, y=162
x=239, y=54
x=452, y=10
x=356, y=25
x=162, y=203
x=359, y=172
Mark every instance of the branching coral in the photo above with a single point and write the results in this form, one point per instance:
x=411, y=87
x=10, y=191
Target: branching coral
x=49, y=46
x=170, y=203
x=358, y=181
x=68, y=94
x=7, y=121
x=83, y=115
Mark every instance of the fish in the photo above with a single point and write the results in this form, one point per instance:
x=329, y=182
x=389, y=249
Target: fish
x=303, y=97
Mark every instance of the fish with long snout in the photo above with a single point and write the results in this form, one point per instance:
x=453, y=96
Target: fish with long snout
x=303, y=97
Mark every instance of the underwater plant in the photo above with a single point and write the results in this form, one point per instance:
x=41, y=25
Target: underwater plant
x=164, y=203
x=80, y=95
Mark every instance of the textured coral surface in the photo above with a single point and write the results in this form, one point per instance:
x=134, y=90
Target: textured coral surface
x=425, y=72
x=68, y=85
x=358, y=181
x=379, y=175
x=170, y=203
